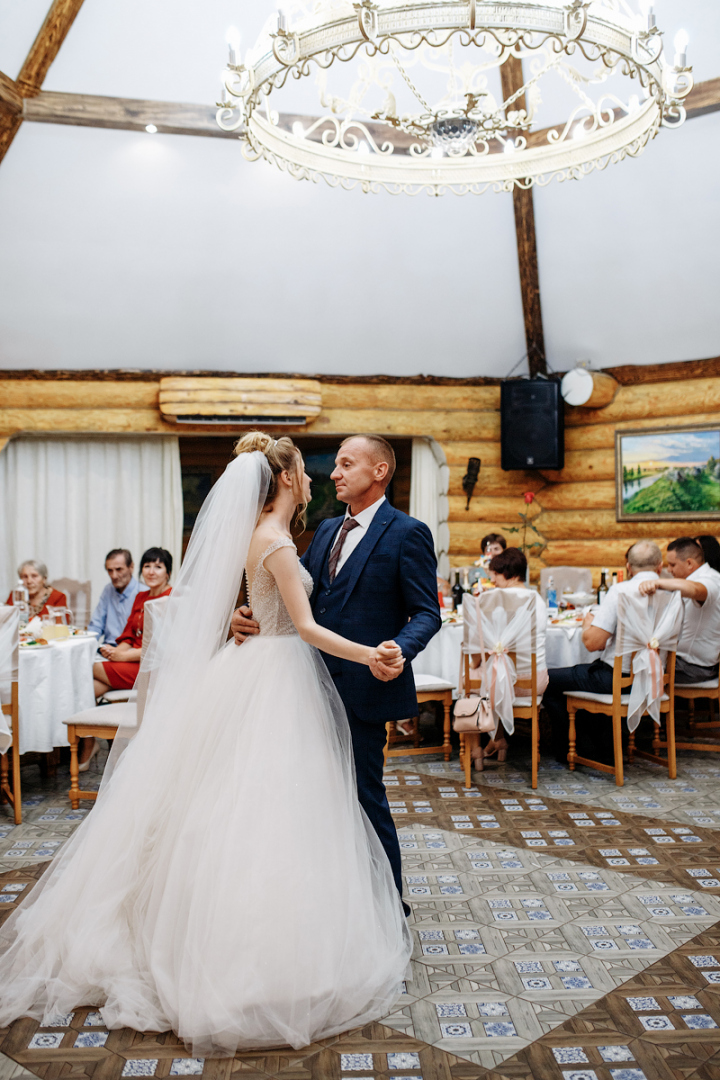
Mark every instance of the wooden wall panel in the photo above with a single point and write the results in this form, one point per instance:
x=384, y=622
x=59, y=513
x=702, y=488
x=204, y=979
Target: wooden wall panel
x=574, y=509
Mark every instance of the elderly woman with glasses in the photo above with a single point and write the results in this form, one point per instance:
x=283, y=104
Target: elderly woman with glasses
x=41, y=596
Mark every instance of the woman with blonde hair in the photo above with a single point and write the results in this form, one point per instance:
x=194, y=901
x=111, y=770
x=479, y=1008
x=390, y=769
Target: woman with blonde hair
x=230, y=886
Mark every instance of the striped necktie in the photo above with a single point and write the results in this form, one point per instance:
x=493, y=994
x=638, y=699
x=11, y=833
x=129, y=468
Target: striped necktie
x=348, y=524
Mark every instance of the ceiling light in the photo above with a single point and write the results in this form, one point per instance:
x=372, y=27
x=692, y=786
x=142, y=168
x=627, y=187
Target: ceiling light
x=151, y=128
x=416, y=83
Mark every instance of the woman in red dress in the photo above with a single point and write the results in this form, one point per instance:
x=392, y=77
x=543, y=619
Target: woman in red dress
x=41, y=596
x=120, y=670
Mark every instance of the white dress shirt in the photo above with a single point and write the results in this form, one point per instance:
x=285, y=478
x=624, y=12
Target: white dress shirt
x=354, y=537
x=606, y=617
x=700, y=635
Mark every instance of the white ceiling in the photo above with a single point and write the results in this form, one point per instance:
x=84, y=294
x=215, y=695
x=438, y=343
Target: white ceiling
x=139, y=251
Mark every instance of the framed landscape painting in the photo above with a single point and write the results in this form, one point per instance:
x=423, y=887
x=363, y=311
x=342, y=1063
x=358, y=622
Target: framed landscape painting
x=668, y=474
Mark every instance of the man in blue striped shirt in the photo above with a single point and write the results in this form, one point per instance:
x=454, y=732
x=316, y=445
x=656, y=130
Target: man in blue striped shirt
x=116, y=599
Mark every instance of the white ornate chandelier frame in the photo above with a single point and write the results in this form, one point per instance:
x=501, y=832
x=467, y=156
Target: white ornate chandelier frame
x=328, y=149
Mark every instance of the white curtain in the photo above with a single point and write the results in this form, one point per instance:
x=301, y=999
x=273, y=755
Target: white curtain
x=68, y=501
x=429, y=480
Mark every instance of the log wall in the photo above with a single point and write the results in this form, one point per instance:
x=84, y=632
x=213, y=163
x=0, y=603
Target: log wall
x=574, y=509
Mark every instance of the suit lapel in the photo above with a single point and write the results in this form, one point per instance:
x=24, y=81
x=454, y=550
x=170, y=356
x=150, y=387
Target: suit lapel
x=356, y=563
x=321, y=544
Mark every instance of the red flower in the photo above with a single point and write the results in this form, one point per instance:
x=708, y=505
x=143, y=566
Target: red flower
x=529, y=497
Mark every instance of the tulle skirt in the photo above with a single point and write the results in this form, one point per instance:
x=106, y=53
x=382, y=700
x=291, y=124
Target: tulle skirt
x=226, y=884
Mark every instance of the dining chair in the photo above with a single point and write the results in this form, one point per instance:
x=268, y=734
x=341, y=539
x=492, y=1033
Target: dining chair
x=9, y=648
x=104, y=721
x=427, y=688
x=573, y=578
x=79, y=597
x=691, y=692
x=647, y=633
x=508, y=626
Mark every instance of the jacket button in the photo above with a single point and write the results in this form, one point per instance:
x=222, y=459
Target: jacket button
x=322, y=610
x=328, y=591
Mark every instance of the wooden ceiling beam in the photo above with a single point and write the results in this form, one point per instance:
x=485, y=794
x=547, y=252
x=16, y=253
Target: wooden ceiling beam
x=10, y=96
x=172, y=118
x=511, y=74
x=128, y=114
x=32, y=74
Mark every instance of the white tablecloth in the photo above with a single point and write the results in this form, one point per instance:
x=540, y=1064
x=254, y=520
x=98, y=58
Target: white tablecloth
x=54, y=684
x=441, y=658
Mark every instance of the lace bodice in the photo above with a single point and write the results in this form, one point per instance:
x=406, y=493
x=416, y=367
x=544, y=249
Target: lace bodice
x=265, y=599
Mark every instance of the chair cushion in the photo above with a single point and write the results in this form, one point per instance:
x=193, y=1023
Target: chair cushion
x=603, y=699
x=120, y=715
x=426, y=683
x=520, y=702
x=120, y=695
x=709, y=684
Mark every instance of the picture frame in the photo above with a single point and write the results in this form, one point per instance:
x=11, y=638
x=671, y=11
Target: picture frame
x=668, y=473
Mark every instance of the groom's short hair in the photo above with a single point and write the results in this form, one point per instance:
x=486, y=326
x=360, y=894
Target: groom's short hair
x=379, y=449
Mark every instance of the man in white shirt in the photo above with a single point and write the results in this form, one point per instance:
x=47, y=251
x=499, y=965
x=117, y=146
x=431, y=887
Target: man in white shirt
x=699, y=585
x=644, y=563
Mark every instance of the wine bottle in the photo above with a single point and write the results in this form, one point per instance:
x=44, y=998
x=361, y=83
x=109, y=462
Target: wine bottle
x=602, y=590
x=457, y=592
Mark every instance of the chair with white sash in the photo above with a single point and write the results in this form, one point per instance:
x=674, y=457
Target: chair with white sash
x=501, y=626
x=575, y=579
x=10, y=736
x=103, y=721
x=79, y=598
x=648, y=628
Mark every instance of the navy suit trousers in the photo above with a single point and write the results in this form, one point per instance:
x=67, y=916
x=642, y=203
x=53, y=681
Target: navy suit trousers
x=368, y=741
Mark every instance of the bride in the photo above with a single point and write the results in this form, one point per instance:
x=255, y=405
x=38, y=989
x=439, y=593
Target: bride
x=226, y=884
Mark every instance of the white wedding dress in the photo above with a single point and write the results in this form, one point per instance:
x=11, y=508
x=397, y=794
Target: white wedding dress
x=226, y=884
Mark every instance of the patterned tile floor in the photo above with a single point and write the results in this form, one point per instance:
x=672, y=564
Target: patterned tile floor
x=568, y=933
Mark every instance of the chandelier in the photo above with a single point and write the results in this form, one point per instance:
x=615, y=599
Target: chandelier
x=453, y=95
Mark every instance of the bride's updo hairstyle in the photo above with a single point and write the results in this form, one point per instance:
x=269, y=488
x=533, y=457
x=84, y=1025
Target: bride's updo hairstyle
x=281, y=455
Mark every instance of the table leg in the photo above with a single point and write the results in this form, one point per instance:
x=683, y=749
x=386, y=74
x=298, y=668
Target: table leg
x=74, y=767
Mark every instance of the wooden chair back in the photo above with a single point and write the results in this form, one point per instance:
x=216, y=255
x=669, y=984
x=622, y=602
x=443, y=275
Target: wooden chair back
x=9, y=673
x=79, y=598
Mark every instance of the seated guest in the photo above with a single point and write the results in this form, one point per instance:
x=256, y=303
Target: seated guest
x=41, y=596
x=711, y=551
x=644, y=563
x=116, y=600
x=493, y=544
x=509, y=569
x=120, y=670
x=699, y=585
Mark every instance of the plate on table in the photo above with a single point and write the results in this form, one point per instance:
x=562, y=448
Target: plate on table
x=35, y=645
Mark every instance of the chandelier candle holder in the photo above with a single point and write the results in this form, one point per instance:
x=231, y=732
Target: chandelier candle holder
x=409, y=95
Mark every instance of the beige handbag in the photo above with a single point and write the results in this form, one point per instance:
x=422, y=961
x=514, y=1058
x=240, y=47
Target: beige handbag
x=473, y=714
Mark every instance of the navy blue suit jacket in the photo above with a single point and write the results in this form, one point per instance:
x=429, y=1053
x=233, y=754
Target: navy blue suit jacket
x=386, y=590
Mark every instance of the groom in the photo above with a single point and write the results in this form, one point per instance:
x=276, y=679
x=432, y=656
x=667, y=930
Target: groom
x=375, y=579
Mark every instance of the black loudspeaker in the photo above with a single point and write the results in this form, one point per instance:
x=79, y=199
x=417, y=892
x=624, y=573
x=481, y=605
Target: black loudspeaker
x=532, y=431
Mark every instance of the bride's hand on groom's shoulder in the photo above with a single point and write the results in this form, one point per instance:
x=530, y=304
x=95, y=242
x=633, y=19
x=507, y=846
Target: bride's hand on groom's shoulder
x=243, y=625
x=387, y=661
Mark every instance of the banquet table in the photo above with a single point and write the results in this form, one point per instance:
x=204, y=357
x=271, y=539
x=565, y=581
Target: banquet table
x=54, y=683
x=441, y=658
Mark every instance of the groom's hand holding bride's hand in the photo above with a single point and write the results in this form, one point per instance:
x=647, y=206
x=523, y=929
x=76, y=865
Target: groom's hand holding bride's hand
x=243, y=625
x=387, y=661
